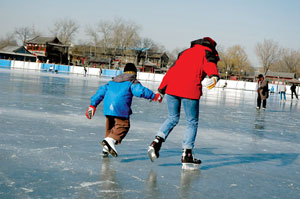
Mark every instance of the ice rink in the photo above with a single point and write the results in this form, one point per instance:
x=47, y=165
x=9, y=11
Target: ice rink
x=48, y=149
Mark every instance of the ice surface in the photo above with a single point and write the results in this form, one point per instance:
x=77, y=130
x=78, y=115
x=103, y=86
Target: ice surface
x=48, y=149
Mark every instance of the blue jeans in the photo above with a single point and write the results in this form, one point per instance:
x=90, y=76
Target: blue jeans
x=191, y=109
x=282, y=93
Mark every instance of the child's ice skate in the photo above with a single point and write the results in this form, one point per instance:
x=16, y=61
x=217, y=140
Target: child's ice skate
x=105, y=152
x=109, y=145
x=153, y=149
x=188, y=161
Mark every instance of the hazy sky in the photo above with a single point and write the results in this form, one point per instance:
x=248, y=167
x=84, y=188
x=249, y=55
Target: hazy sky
x=171, y=23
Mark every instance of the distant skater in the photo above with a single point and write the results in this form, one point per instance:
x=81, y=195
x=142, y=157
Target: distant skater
x=262, y=92
x=85, y=71
x=282, y=90
x=225, y=85
x=117, y=96
x=293, y=91
x=182, y=84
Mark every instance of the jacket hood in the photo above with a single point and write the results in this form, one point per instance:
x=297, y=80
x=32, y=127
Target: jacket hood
x=125, y=77
x=206, y=41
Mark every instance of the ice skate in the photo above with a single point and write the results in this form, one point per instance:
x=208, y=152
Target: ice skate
x=105, y=152
x=188, y=161
x=257, y=108
x=109, y=145
x=153, y=149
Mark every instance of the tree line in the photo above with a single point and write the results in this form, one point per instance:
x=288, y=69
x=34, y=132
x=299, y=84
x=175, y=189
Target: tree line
x=121, y=34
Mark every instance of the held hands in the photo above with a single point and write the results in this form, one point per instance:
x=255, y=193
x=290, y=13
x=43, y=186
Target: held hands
x=158, y=97
x=212, y=81
x=90, y=112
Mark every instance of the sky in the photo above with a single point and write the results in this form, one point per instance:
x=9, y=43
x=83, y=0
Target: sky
x=171, y=23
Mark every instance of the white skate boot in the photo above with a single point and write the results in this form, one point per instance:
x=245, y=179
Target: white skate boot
x=153, y=149
x=109, y=145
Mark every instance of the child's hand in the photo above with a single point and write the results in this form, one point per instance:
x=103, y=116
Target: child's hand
x=212, y=81
x=90, y=112
x=158, y=97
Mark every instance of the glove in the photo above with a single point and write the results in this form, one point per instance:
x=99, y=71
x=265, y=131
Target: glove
x=158, y=97
x=90, y=112
x=212, y=81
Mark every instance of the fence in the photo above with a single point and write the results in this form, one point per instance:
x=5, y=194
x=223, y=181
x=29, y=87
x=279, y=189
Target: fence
x=231, y=84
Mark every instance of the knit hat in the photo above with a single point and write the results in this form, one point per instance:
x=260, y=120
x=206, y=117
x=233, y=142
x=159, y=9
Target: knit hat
x=260, y=75
x=130, y=67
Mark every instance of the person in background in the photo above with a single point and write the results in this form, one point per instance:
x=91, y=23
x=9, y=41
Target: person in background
x=272, y=89
x=182, y=84
x=282, y=90
x=262, y=92
x=293, y=91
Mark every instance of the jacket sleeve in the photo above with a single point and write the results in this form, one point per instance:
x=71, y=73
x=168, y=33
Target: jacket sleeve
x=210, y=63
x=139, y=90
x=98, y=97
x=164, y=83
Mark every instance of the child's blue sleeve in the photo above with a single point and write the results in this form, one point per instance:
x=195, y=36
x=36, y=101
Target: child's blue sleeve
x=139, y=90
x=98, y=97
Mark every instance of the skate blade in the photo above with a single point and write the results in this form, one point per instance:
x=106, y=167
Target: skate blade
x=190, y=166
x=105, y=155
x=151, y=154
x=109, y=149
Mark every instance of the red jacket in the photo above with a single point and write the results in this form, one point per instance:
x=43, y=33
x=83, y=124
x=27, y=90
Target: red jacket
x=192, y=66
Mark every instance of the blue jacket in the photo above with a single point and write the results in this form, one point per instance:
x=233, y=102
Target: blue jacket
x=118, y=93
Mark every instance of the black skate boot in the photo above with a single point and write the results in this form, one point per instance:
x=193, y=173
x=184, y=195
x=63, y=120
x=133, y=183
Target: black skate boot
x=153, y=149
x=188, y=161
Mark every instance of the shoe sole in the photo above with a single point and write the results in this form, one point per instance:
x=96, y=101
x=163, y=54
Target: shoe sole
x=151, y=153
x=190, y=166
x=110, y=150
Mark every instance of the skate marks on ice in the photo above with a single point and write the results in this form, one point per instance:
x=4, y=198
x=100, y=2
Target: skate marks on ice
x=212, y=160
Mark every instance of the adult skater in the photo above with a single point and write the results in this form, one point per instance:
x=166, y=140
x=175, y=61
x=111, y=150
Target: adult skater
x=293, y=91
x=262, y=92
x=117, y=96
x=182, y=84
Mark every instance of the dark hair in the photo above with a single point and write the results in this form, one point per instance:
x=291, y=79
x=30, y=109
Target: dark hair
x=260, y=75
x=130, y=67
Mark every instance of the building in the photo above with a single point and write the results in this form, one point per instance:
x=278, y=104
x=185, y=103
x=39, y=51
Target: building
x=48, y=49
x=146, y=60
x=17, y=53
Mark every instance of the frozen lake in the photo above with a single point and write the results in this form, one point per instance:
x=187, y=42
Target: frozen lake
x=48, y=149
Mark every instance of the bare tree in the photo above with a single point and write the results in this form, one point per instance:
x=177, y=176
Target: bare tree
x=23, y=34
x=8, y=40
x=268, y=53
x=290, y=61
x=35, y=32
x=94, y=35
x=238, y=58
x=65, y=29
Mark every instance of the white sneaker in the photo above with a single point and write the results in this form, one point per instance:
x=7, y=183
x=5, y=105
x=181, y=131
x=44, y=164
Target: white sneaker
x=109, y=145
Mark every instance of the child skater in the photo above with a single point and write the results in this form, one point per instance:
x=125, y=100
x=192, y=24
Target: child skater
x=117, y=96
